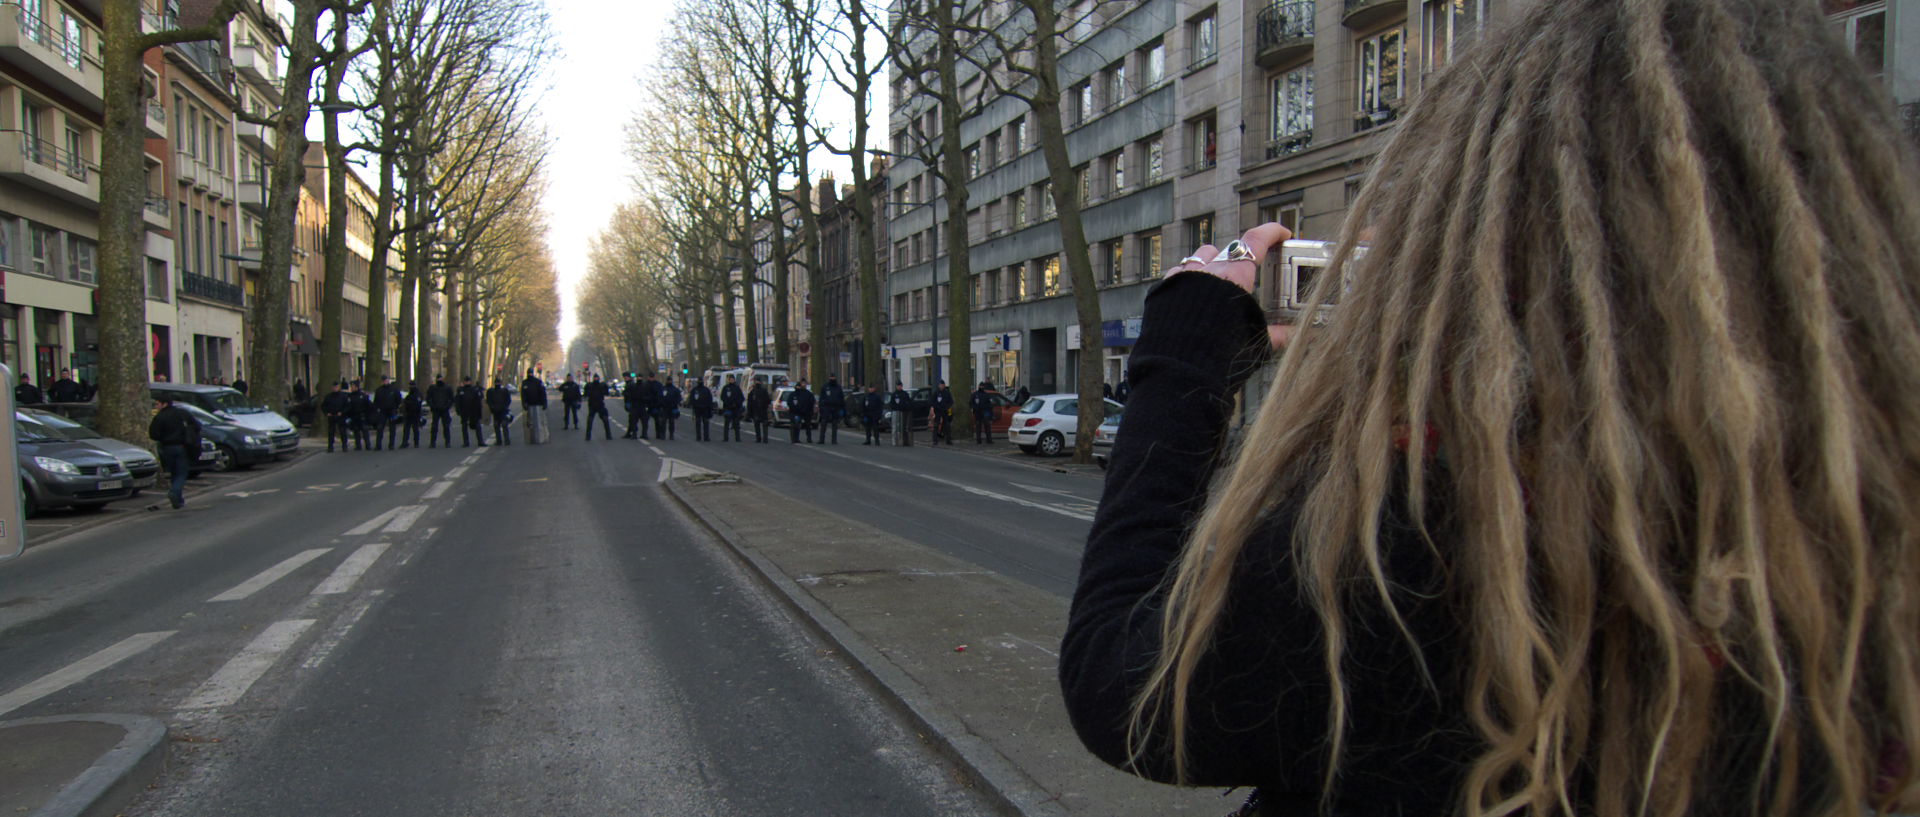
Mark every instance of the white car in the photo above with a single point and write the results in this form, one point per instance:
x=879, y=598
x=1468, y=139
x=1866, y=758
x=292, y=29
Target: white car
x=1047, y=423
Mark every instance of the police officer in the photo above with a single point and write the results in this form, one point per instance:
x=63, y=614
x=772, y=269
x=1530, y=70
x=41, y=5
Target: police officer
x=733, y=405
x=760, y=410
x=666, y=411
x=385, y=414
x=596, y=394
x=833, y=407
x=533, y=399
x=471, y=401
x=981, y=401
x=26, y=392
x=942, y=417
x=700, y=400
x=872, y=408
x=440, y=406
x=903, y=412
x=500, y=405
x=411, y=407
x=650, y=396
x=334, y=406
x=359, y=415
x=569, y=403
x=633, y=398
x=800, y=405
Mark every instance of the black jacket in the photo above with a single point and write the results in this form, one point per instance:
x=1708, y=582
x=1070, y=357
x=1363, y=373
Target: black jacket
x=499, y=401
x=411, y=405
x=27, y=393
x=386, y=399
x=873, y=406
x=800, y=403
x=359, y=407
x=668, y=403
x=66, y=391
x=569, y=392
x=596, y=394
x=439, y=397
x=533, y=393
x=732, y=400
x=833, y=401
x=943, y=401
x=981, y=401
x=700, y=399
x=902, y=401
x=334, y=404
x=759, y=401
x=470, y=400
x=173, y=425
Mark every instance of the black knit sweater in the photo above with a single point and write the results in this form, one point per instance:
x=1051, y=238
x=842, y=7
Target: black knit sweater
x=1259, y=708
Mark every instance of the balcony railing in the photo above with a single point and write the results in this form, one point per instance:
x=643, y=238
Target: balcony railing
x=49, y=155
x=201, y=286
x=1203, y=163
x=1285, y=29
x=1290, y=144
x=70, y=46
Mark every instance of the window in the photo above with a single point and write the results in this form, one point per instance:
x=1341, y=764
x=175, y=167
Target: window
x=71, y=44
x=980, y=288
x=220, y=149
x=992, y=145
x=1086, y=183
x=1016, y=280
x=1156, y=159
x=1154, y=63
x=1018, y=132
x=81, y=266
x=1116, y=83
x=7, y=226
x=1292, y=98
x=1449, y=26
x=919, y=249
x=1203, y=143
x=1116, y=261
x=1019, y=209
x=941, y=299
x=973, y=162
x=1203, y=43
x=1050, y=276
x=1083, y=101
x=185, y=261
x=919, y=304
x=1047, y=209
x=1289, y=215
x=900, y=308
x=75, y=163
x=1117, y=170
x=40, y=244
x=1200, y=230
x=1149, y=255
x=1863, y=27
x=1381, y=56
x=156, y=280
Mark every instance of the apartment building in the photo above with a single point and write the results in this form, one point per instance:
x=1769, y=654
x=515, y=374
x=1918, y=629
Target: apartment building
x=838, y=303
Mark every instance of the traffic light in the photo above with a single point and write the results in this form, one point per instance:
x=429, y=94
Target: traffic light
x=685, y=369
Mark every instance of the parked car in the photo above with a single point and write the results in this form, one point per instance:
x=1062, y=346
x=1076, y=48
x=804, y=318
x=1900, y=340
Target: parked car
x=235, y=446
x=232, y=407
x=1048, y=423
x=140, y=462
x=1004, y=408
x=83, y=413
x=778, y=413
x=1103, y=438
x=56, y=472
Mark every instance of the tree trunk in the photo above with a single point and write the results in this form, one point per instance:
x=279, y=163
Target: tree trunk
x=334, y=288
x=267, y=378
x=748, y=275
x=377, y=283
x=954, y=171
x=782, y=305
x=124, y=401
x=728, y=317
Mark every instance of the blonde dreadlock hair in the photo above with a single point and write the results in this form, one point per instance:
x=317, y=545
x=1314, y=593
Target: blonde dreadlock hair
x=1647, y=268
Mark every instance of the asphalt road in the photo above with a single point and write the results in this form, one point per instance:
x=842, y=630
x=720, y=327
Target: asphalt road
x=533, y=630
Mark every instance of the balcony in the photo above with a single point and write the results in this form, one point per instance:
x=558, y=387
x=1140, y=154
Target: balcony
x=253, y=197
x=1361, y=14
x=1290, y=144
x=257, y=64
x=220, y=185
x=1285, y=32
x=200, y=286
x=43, y=166
x=156, y=213
x=156, y=121
x=66, y=59
x=258, y=137
x=189, y=169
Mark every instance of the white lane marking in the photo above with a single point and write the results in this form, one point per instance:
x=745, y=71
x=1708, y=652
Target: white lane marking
x=339, y=632
x=80, y=670
x=482, y=450
x=413, y=481
x=656, y=451
x=373, y=524
x=351, y=570
x=1031, y=644
x=670, y=468
x=972, y=490
x=438, y=490
x=456, y=473
x=233, y=680
x=271, y=575
x=1037, y=489
x=245, y=494
x=408, y=514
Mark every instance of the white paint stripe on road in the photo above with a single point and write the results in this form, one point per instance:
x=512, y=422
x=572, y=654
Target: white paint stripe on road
x=227, y=686
x=408, y=514
x=656, y=451
x=457, y=473
x=351, y=570
x=970, y=489
x=438, y=490
x=80, y=670
x=270, y=575
x=373, y=524
x=339, y=632
x=482, y=450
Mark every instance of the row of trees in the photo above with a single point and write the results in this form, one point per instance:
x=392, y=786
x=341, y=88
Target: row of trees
x=731, y=127
x=436, y=96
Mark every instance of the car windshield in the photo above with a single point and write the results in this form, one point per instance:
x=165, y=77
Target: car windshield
x=62, y=426
x=27, y=430
x=202, y=415
x=232, y=402
x=1034, y=406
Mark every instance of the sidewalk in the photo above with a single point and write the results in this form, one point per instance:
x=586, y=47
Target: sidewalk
x=969, y=654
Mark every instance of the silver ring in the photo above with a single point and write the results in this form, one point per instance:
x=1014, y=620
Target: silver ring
x=1192, y=259
x=1237, y=251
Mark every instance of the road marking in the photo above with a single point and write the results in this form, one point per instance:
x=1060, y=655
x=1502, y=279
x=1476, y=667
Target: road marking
x=482, y=450
x=670, y=468
x=535, y=479
x=339, y=632
x=457, y=473
x=403, y=518
x=413, y=481
x=1037, y=489
x=80, y=670
x=245, y=494
x=233, y=680
x=370, y=525
x=972, y=490
x=656, y=451
x=438, y=490
x=351, y=570
x=271, y=575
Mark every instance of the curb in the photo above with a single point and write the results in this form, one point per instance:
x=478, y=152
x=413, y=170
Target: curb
x=113, y=780
x=994, y=773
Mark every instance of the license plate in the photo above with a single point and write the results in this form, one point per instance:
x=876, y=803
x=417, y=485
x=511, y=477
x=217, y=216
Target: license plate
x=108, y=485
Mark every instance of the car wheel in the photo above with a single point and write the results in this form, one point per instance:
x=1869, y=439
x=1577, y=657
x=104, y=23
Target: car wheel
x=1051, y=444
x=222, y=459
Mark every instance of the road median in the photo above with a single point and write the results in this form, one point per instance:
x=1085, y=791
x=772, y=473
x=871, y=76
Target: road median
x=968, y=653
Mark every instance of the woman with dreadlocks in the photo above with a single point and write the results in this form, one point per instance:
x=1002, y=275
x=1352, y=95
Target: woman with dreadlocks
x=1597, y=492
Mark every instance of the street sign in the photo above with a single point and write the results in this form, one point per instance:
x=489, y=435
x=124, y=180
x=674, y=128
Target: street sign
x=13, y=531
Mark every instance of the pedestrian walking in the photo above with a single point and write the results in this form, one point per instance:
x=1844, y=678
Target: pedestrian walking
x=533, y=400
x=733, y=407
x=385, y=415
x=471, y=403
x=902, y=405
x=439, y=409
x=760, y=410
x=833, y=409
x=177, y=434
x=334, y=408
x=596, y=394
x=666, y=411
x=411, y=408
x=873, y=408
x=26, y=393
x=359, y=415
x=66, y=389
x=1597, y=500
x=500, y=406
x=569, y=403
x=981, y=402
x=800, y=406
x=941, y=419
x=700, y=402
